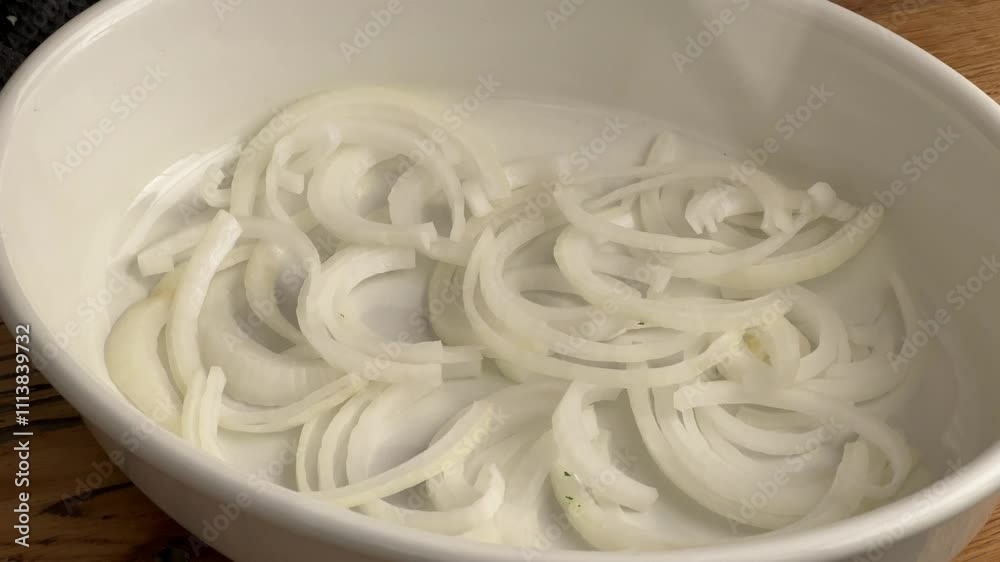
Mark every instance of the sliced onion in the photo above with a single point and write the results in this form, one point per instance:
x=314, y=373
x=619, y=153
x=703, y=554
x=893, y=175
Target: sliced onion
x=257, y=376
x=330, y=199
x=670, y=278
x=873, y=430
x=491, y=487
x=261, y=276
x=191, y=410
x=271, y=420
x=572, y=253
x=210, y=409
x=332, y=456
x=845, y=494
x=316, y=291
x=307, y=452
x=278, y=177
x=351, y=267
x=183, y=348
x=819, y=260
x=133, y=361
x=570, y=204
x=416, y=470
x=580, y=456
x=503, y=349
x=211, y=190
x=604, y=529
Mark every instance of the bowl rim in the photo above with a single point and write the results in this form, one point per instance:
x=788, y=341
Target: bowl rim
x=903, y=518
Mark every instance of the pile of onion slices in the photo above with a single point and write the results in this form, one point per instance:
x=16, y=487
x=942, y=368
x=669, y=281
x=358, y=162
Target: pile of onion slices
x=667, y=290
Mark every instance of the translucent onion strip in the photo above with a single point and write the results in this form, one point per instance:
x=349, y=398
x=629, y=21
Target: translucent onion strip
x=414, y=471
x=183, y=348
x=133, y=361
x=580, y=456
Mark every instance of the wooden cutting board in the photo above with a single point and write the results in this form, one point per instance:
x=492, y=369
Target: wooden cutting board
x=117, y=523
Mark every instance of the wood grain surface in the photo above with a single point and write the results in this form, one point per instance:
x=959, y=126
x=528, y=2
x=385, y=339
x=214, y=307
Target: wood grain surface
x=117, y=523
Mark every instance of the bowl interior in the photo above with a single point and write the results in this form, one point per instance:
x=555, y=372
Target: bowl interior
x=130, y=95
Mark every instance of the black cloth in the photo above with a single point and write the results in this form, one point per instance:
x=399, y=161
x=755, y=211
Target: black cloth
x=26, y=23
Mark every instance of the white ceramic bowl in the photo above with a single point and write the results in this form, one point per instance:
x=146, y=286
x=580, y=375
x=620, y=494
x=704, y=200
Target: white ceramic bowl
x=206, y=70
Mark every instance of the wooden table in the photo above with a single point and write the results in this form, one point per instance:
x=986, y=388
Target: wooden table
x=118, y=523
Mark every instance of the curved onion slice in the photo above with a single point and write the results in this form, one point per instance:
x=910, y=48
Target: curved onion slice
x=363, y=103
x=331, y=463
x=519, y=410
x=767, y=441
x=351, y=266
x=511, y=310
x=183, y=348
x=738, y=480
x=567, y=319
x=455, y=521
x=134, y=363
x=444, y=307
x=257, y=375
x=491, y=487
x=810, y=457
x=448, y=449
x=332, y=202
x=845, y=494
x=277, y=176
x=551, y=366
x=573, y=252
x=875, y=431
x=580, y=456
x=702, y=266
x=811, y=263
x=570, y=204
x=211, y=190
x=209, y=411
x=367, y=433
x=173, y=189
x=272, y=420
x=518, y=518
x=408, y=196
x=605, y=527
x=307, y=451
x=317, y=290
x=191, y=410
x=261, y=276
